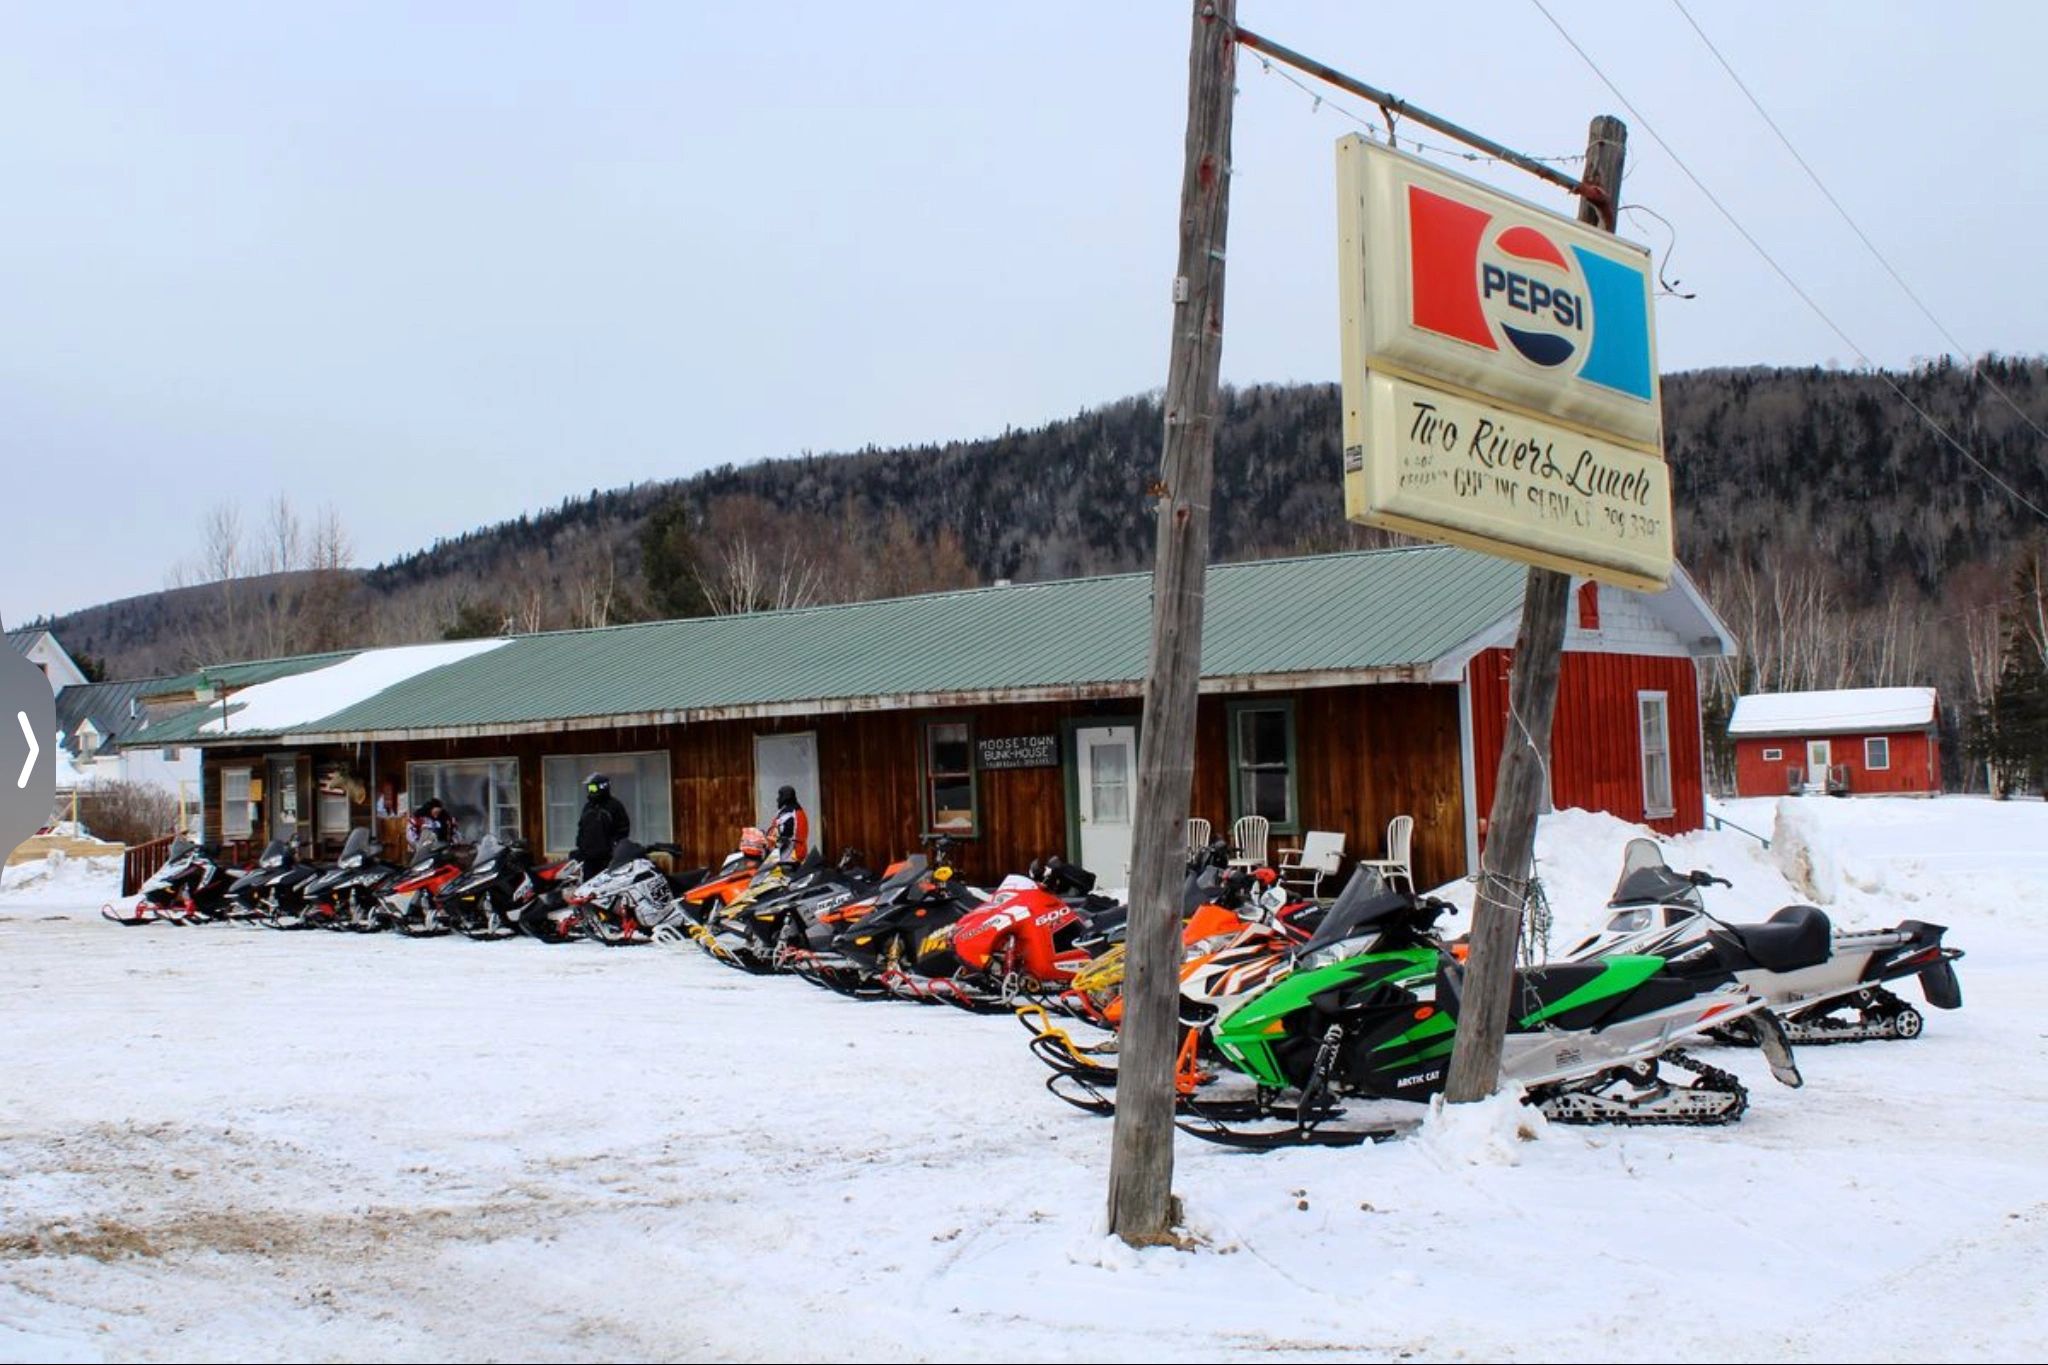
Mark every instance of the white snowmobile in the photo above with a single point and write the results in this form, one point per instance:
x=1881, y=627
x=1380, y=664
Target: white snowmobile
x=1827, y=986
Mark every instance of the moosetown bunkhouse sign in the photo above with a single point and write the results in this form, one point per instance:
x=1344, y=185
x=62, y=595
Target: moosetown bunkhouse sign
x=1500, y=374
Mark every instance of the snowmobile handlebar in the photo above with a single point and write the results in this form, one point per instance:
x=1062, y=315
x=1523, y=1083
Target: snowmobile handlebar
x=1708, y=879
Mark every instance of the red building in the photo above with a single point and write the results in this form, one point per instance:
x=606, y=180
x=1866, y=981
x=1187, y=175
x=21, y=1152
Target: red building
x=1859, y=741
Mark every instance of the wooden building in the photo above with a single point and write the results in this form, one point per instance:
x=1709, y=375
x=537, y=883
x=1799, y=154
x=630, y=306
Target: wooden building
x=1338, y=691
x=1861, y=741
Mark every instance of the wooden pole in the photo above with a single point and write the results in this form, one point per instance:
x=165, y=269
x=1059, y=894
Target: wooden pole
x=1141, y=1204
x=1519, y=791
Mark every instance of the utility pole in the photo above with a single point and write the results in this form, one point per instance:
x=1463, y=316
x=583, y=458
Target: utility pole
x=1519, y=791
x=1141, y=1203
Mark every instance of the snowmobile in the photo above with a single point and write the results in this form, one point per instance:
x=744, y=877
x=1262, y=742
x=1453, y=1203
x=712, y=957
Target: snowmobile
x=1826, y=986
x=722, y=884
x=1586, y=1042
x=632, y=901
x=191, y=887
x=273, y=891
x=770, y=924
x=813, y=927
x=886, y=946
x=726, y=931
x=412, y=902
x=1032, y=935
x=347, y=895
x=484, y=902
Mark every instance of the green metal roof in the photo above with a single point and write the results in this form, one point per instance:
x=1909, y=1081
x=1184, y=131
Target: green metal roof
x=246, y=673
x=1368, y=612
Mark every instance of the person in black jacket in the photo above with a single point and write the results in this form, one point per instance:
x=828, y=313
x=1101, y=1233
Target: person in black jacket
x=603, y=824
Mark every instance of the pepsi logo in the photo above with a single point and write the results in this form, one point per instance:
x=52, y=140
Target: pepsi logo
x=1530, y=293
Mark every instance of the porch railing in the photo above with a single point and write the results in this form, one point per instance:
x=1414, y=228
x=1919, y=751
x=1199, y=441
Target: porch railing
x=141, y=862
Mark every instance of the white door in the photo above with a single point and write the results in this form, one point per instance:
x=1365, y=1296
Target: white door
x=1106, y=769
x=788, y=760
x=1818, y=756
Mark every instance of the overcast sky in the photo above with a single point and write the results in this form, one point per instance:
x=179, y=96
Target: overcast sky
x=436, y=264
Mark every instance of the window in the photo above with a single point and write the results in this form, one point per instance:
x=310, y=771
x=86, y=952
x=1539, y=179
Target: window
x=1774, y=755
x=236, y=805
x=1653, y=709
x=639, y=781
x=1262, y=763
x=1877, y=753
x=481, y=793
x=949, y=778
x=171, y=753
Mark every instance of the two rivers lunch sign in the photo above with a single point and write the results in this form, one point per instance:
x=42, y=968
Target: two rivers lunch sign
x=1500, y=374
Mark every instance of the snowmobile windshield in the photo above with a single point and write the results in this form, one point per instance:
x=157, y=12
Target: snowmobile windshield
x=1364, y=905
x=274, y=853
x=357, y=845
x=625, y=854
x=1646, y=878
x=487, y=850
x=913, y=868
x=180, y=848
x=1199, y=890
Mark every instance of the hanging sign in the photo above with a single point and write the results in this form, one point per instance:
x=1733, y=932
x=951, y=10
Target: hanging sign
x=1019, y=751
x=1500, y=375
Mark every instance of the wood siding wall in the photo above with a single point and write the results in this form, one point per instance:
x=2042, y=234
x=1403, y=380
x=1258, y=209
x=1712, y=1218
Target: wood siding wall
x=1363, y=755
x=1596, y=757
x=1915, y=763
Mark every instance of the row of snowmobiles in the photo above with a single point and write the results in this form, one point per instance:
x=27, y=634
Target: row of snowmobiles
x=1305, y=1022
x=1312, y=1022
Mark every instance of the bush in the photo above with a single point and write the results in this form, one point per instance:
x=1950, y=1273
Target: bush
x=128, y=812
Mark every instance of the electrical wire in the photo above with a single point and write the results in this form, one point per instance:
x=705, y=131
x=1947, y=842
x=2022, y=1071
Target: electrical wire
x=1782, y=273
x=1854, y=227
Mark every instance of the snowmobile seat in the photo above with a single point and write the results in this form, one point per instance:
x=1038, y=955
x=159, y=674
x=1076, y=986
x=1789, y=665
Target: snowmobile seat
x=1794, y=937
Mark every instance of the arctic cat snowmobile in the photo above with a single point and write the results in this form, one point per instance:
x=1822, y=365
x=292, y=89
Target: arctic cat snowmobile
x=1586, y=1041
x=1827, y=986
x=191, y=887
x=632, y=900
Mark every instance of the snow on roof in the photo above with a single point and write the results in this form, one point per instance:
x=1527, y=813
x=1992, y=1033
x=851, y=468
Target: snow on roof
x=1844, y=711
x=304, y=697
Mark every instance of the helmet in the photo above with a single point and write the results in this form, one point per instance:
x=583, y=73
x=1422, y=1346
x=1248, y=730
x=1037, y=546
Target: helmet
x=597, y=784
x=785, y=796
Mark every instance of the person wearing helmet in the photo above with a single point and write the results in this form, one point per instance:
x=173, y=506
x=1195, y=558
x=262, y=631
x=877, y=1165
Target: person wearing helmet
x=789, y=829
x=604, y=822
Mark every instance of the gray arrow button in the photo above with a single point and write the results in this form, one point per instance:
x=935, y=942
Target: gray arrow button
x=28, y=749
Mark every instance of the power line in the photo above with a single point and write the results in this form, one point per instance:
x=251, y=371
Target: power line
x=1782, y=274
x=1861, y=236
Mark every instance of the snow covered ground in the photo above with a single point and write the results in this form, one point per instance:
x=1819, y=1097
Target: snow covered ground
x=225, y=1142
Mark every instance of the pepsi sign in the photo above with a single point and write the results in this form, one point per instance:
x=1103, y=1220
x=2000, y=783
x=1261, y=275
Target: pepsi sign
x=1487, y=315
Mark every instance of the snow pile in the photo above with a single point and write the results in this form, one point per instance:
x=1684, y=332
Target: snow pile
x=57, y=879
x=306, y=697
x=1489, y=1133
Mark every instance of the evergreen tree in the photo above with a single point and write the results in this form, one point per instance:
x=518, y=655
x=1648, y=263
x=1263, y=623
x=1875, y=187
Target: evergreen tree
x=668, y=562
x=474, y=621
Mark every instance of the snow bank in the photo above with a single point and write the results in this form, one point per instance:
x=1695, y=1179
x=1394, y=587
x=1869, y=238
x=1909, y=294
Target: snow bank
x=59, y=880
x=1489, y=1133
x=306, y=697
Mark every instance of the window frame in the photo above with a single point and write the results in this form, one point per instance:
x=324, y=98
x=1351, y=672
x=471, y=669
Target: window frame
x=1233, y=713
x=1776, y=755
x=470, y=836
x=1652, y=810
x=1869, y=764
x=927, y=777
x=229, y=827
x=585, y=763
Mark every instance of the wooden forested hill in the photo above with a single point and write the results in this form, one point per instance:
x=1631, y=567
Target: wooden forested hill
x=1804, y=466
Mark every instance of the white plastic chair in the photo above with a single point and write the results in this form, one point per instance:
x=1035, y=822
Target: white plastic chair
x=1248, y=837
x=1318, y=857
x=1400, y=842
x=1198, y=837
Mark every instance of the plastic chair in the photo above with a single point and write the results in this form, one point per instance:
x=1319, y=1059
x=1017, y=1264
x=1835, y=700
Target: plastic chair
x=1248, y=837
x=1198, y=837
x=1400, y=842
x=1318, y=857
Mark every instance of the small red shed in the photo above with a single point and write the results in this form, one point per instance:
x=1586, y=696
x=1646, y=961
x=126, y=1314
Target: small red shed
x=1858, y=741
